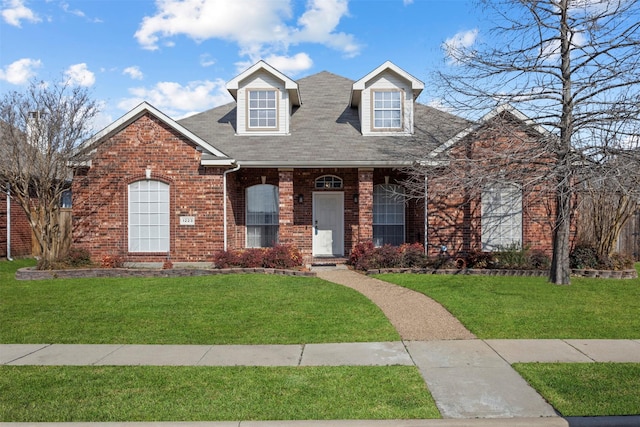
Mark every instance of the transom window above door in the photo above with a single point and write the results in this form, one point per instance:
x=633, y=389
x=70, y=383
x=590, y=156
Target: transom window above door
x=328, y=182
x=263, y=112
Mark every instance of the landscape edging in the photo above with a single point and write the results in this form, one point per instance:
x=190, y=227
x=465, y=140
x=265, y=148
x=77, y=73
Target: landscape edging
x=603, y=274
x=30, y=273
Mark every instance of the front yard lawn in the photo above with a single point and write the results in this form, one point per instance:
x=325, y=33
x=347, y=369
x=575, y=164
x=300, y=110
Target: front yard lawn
x=582, y=390
x=530, y=307
x=222, y=309
x=152, y=393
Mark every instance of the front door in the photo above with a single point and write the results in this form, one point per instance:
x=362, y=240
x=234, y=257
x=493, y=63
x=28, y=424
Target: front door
x=328, y=224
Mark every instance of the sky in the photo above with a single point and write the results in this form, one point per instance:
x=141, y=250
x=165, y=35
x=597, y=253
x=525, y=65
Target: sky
x=178, y=54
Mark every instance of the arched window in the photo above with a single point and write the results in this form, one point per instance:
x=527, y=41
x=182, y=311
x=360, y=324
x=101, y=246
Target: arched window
x=262, y=216
x=388, y=215
x=149, y=216
x=328, y=182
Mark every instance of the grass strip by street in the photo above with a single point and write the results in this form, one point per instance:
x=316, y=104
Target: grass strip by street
x=530, y=307
x=583, y=390
x=151, y=393
x=222, y=309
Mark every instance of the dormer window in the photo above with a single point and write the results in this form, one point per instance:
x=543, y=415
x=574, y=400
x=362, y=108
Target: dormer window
x=263, y=109
x=387, y=110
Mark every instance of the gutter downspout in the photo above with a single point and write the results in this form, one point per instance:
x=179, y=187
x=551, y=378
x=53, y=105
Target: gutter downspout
x=9, y=223
x=224, y=201
x=426, y=215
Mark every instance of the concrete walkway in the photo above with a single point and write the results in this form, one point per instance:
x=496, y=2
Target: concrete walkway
x=467, y=378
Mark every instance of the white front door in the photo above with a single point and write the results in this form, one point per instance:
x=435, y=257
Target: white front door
x=328, y=224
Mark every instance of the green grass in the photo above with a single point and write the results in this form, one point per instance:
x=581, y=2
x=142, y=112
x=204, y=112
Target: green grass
x=530, y=307
x=578, y=389
x=223, y=309
x=148, y=393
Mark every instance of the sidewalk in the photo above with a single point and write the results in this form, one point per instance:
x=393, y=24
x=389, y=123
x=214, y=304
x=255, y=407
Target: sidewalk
x=467, y=378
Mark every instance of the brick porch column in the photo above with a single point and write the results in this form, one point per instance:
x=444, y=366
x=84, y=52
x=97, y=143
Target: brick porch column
x=285, y=189
x=365, y=205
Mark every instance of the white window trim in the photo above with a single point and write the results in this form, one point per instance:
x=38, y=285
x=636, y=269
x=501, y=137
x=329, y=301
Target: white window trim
x=249, y=109
x=374, y=128
x=502, y=225
x=164, y=248
x=396, y=189
x=246, y=213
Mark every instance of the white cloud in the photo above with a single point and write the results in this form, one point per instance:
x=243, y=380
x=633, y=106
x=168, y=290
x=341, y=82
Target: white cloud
x=178, y=100
x=260, y=28
x=15, y=11
x=407, y=2
x=20, y=71
x=80, y=75
x=290, y=65
x=133, y=72
x=206, y=60
x=461, y=41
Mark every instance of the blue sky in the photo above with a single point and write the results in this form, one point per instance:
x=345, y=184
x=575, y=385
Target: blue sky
x=178, y=54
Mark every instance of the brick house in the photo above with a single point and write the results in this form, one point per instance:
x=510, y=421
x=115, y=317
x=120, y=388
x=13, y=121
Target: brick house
x=319, y=163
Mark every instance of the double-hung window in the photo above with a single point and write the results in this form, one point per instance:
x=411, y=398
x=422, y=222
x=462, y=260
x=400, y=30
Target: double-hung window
x=387, y=110
x=262, y=216
x=148, y=216
x=501, y=217
x=388, y=215
x=263, y=112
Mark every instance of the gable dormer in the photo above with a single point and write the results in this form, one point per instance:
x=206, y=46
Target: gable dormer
x=385, y=98
x=265, y=99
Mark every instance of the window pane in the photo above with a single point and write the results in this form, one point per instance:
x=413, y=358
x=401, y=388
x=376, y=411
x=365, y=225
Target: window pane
x=262, y=216
x=262, y=109
x=388, y=215
x=149, y=216
x=501, y=217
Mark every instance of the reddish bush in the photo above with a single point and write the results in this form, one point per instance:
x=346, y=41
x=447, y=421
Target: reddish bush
x=111, y=261
x=359, y=251
x=282, y=256
x=226, y=259
x=279, y=256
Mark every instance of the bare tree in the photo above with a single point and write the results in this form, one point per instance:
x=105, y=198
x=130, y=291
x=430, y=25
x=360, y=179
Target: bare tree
x=573, y=67
x=40, y=129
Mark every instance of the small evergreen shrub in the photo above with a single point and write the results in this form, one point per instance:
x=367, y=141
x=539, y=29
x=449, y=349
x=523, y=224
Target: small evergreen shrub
x=511, y=257
x=583, y=256
x=74, y=258
x=538, y=260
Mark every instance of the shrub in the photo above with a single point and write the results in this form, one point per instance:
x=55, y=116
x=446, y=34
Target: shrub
x=282, y=256
x=583, y=256
x=538, y=260
x=251, y=258
x=74, y=258
x=479, y=259
x=412, y=255
x=359, y=251
x=226, y=259
x=111, y=261
x=511, y=257
x=279, y=256
x=621, y=261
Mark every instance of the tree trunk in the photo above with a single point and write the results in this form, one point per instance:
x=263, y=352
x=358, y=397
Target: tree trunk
x=560, y=273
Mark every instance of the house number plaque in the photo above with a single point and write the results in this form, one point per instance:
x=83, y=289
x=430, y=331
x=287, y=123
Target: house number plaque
x=187, y=220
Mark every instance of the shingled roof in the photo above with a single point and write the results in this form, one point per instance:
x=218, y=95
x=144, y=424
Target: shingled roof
x=325, y=132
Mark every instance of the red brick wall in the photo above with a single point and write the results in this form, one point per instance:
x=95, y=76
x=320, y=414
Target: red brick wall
x=21, y=242
x=503, y=151
x=100, y=194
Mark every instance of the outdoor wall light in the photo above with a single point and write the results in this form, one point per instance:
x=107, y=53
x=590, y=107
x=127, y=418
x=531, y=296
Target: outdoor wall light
x=356, y=198
x=301, y=198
